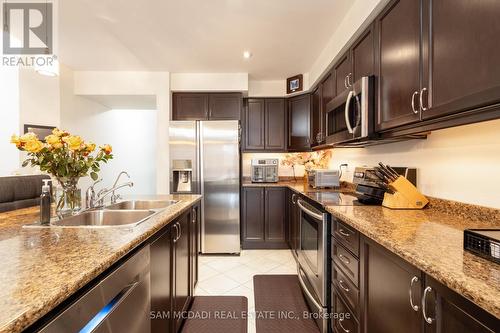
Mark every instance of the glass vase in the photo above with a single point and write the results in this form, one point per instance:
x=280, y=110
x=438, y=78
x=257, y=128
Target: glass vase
x=68, y=197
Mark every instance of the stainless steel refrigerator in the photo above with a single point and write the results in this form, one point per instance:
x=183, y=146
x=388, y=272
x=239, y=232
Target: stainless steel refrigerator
x=204, y=159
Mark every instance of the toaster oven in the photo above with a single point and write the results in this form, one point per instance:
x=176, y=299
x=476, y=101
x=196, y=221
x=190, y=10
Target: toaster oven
x=323, y=178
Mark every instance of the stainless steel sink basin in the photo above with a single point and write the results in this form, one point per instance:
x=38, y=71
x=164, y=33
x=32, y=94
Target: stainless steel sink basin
x=142, y=204
x=105, y=218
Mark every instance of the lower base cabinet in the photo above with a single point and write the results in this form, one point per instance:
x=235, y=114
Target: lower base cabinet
x=293, y=221
x=174, y=256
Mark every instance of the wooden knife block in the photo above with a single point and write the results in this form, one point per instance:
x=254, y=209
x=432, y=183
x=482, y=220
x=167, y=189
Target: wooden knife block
x=406, y=196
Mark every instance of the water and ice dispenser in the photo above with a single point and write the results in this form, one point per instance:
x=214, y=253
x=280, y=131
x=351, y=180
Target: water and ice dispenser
x=182, y=176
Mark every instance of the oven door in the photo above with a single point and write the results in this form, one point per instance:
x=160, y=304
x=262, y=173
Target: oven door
x=313, y=251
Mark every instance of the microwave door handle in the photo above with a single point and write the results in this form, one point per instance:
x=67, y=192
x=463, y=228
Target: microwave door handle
x=358, y=116
x=347, y=120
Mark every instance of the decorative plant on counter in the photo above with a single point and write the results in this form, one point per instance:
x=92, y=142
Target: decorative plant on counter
x=314, y=160
x=67, y=158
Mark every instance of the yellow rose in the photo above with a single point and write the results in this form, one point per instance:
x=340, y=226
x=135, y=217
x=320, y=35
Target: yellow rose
x=107, y=149
x=52, y=139
x=57, y=145
x=59, y=133
x=90, y=147
x=74, y=142
x=28, y=137
x=15, y=140
x=33, y=146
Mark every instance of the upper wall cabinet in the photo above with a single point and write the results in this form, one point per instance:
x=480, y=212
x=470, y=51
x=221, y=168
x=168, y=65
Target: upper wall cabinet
x=204, y=106
x=363, y=55
x=461, y=53
x=317, y=117
x=299, y=123
x=398, y=65
x=343, y=73
x=264, y=124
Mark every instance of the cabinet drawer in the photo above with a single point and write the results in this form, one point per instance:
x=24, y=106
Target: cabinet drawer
x=343, y=320
x=346, y=261
x=348, y=236
x=346, y=289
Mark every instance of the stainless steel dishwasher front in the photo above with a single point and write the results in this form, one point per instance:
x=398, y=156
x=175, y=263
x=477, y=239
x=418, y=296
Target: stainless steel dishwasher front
x=120, y=302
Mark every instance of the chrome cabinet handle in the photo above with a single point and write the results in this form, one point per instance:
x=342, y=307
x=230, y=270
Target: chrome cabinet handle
x=345, y=82
x=412, y=282
x=344, y=259
x=176, y=233
x=349, y=79
x=422, y=99
x=341, y=284
x=413, y=102
x=342, y=326
x=294, y=199
x=344, y=233
x=429, y=320
x=194, y=216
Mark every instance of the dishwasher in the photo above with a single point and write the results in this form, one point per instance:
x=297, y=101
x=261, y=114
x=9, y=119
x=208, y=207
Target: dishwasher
x=120, y=302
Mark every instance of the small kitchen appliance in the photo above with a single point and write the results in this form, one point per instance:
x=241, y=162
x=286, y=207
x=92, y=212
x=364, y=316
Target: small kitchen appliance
x=265, y=170
x=483, y=242
x=324, y=178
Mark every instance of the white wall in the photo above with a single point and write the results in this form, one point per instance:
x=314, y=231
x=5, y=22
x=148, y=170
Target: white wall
x=209, y=81
x=458, y=164
x=9, y=119
x=269, y=88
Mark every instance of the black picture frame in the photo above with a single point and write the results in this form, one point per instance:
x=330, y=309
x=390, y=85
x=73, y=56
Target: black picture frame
x=40, y=130
x=294, y=84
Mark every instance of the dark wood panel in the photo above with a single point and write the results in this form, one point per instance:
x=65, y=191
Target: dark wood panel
x=194, y=233
x=461, y=57
x=342, y=70
x=363, y=55
x=275, y=214
x=346, y=322
x=386, y=289
x=182, y=260
x=225, y=106
x=348, y=236
x=346, y=261
x=190, y=106
x=254, y=124
x=275, y=124
x=398, y=31
x=327, y=94
x=299, y=123
x=317, y=117
x=253, y=226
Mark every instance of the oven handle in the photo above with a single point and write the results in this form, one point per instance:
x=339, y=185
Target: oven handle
x=347, y=120
x=306, y=291
x=308, y=211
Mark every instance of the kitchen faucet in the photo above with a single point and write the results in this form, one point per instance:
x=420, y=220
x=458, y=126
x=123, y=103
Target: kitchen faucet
x=92, y=200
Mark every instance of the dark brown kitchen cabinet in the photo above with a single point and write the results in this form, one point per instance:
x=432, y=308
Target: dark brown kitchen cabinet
x=461, y=56
x=190, y=106
x=225, y=106
x=447, y=311
x=181, y=288
x=363, y=55
x=299, y=123
x=317, y=115
x=265, y=125
x=343, y=74
x=389, y=287
x=194, y=237
x=263, y=218
x=206, y=106
x=293, y=218
x=161, y=279
x=398, y=64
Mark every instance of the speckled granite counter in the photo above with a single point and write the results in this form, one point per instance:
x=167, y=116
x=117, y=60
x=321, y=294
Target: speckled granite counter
x=430, y=239
x=42, y=267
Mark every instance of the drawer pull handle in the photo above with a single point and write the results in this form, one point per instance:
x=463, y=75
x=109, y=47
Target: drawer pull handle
x=342, y=285
x=342, y=326
x=412, y=282
x=429, y=320
x=344, y=233
x=344, y=259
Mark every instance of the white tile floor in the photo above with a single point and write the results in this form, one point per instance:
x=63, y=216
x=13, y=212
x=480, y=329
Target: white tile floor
x=233, y=275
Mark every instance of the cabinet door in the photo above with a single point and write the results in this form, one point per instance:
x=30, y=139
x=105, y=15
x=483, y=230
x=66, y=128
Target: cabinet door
x=461, y=56
x=181, y=264
x=387, y=289
x=190, y=106
x=299, y=123
x=317, y=113
x=254, y=124
x=253, y=215
x=194, y=234
x=225, y=106
x=398, y=30
x=275, y=208
x=275, y=124
x=293, y=221
x=363, y=55
x=327, y=94
x=161, y=278
x=343, y=74
x=451, y=312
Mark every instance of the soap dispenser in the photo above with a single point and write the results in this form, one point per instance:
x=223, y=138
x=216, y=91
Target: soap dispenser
x=45, y=203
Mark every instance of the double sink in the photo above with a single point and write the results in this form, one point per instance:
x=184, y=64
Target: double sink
x=121, y=214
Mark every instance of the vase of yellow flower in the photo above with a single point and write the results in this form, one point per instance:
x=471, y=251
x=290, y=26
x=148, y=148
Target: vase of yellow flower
x=314, y=160
x=67, y=158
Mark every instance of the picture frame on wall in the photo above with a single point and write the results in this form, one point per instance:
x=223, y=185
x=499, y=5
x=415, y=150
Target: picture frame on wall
x=294, y=84
x=39, y=130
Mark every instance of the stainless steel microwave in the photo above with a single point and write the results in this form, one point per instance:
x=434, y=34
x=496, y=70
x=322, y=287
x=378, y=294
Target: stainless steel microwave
x=350, y=116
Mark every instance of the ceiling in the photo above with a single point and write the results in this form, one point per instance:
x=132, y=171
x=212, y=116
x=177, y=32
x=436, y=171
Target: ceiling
x=197, y=36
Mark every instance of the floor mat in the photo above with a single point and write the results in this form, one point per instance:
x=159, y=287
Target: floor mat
x=217, y=314
x=279, y=305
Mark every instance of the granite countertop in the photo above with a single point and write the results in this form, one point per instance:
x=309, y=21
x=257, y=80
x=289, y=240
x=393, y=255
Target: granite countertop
x=431, y=239
x=41, y=267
